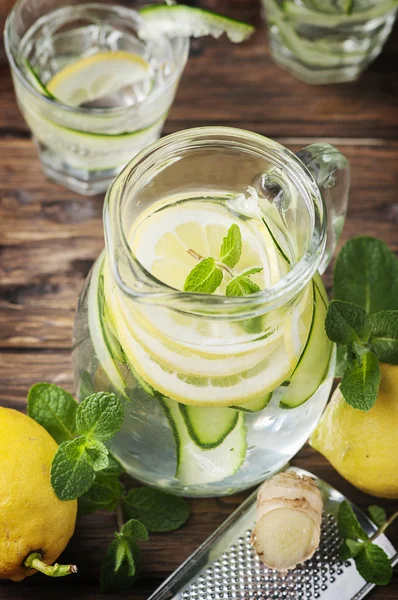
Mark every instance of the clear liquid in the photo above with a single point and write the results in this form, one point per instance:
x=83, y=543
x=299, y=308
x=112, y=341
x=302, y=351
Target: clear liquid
x=67, y=35
x=86, y=145
x=201, y=358
x=320, y=43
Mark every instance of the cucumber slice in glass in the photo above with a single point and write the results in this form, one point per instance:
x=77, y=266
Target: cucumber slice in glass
x=208, y=426
x=198, y=466
x=310, y=370
x=187, y=21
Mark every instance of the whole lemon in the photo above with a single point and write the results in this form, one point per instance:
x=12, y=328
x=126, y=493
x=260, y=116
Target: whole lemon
x=363, y=446
x=32, y=518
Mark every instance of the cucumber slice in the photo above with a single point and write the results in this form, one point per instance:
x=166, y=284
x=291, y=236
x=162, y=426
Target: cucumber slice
x=310, y=370
x=91, y=151
x=255, y=405
x=105, y=346
x=187, y=21
x=208, y=426
x=36, y=81
x=197, y=466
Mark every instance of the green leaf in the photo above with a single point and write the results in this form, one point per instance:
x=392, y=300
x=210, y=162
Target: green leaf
x=98, y=455
x=366, y=273
x=96, y=452
x=349, y=527
x=102, y=495
x=231, y=248
x=54, y=409
x=377, y=514
x=119, y=565
x=384, y=329
x=135, y=530
x=340, y=361
x=361, y=380
x=100, y=416
x=204, y=278
x=346, y=322
x=348, y=6
x=158, y=511
x=374, y=565
x=71, y=478
x=114, y=468
x=354, y=547
x=242, y=285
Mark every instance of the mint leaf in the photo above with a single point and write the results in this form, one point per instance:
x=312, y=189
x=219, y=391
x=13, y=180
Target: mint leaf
x=122, y=558
x=119, y=566
x=204, y=278
x=114, y=468
x=346, y=322
x=135, y=530
x=384, y=329
x=374, y=565
x=349, y=527
x=348, y=6
x=158, y=511
x=340, y=361
x=98, y=455
x=366, y=273
x=354, y=547
x=100, y=416
x=361, y=380
x=102, y=495
x=377, y=514
x=242, y=285
x=54, y=409
x=231, y=248
x=71, y=477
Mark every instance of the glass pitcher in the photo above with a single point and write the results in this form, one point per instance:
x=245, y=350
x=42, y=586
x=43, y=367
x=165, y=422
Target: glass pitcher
x=220, y=391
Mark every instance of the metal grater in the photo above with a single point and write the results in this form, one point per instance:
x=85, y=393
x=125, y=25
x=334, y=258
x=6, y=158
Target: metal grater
x=226, y=567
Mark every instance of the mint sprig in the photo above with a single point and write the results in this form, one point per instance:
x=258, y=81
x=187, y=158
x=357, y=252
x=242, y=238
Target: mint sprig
x=231, y=248
x=55, y=409
x=207, y=276
x=363, y=320
x=122, y=558
x=83, y=468
x=242, y=284
x=371, y=560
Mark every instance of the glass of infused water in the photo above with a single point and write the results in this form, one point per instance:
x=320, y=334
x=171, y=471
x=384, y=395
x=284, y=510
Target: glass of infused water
x=205, y=312
x=91, y=91
x=328, y=41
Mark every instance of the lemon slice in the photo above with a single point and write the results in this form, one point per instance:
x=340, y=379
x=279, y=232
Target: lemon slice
x=162, y=240
x=93, y=77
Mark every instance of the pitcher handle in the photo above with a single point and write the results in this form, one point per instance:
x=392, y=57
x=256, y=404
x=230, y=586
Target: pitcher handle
x=331, y=171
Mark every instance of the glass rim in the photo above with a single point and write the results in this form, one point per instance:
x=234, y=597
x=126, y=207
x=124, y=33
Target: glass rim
x=100, y=112
x=153, y=290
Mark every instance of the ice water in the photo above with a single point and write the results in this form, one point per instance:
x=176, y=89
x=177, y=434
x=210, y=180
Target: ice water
x=85, y=144
x=212, y=405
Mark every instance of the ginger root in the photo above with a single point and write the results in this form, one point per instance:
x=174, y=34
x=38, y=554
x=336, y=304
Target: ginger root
x=288, y=521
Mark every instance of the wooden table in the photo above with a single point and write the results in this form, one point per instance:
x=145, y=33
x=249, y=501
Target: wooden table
x=49, y=237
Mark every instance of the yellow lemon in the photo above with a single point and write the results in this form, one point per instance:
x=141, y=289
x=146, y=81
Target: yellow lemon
x=32, y=518
x=363, y=446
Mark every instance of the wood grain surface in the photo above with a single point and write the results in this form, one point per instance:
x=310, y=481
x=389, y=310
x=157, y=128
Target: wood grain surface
x=49, y=238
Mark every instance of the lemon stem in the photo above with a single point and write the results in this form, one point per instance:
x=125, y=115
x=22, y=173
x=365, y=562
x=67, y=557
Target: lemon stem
x=34, y=561
x=384, y=527
x=199, y=257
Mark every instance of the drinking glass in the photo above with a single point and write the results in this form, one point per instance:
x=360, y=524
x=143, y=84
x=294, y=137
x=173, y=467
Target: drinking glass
x=83, y=147
x=328, y=41
x=219, y=392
